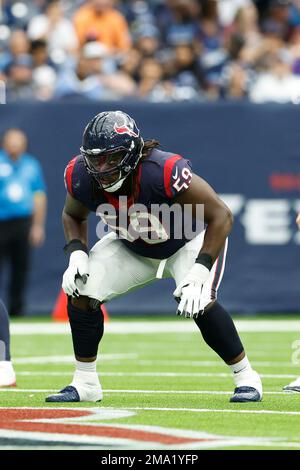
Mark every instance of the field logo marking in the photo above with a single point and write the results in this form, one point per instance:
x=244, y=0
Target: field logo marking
x=77, y=425
x=61, y=421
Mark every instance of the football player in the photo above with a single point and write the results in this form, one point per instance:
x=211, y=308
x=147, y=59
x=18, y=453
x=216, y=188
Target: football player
x=115, y=161
x=7, y=373
x=295, y=385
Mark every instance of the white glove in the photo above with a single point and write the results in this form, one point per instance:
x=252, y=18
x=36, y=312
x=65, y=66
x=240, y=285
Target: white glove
x=78, y=270
x=189, y=291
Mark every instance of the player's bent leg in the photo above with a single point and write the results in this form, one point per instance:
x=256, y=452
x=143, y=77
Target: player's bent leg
x=86, y=321
x=7, y=373
x=293, y=386
x=216, y=325
x=219, y=332
x=114, y=270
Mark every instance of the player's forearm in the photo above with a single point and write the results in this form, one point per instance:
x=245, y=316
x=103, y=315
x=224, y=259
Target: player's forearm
x=75, y=228
x=39, y=210
x=218, y=229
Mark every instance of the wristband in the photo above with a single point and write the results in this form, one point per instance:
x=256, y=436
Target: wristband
x=75, y=245
x=205, y=259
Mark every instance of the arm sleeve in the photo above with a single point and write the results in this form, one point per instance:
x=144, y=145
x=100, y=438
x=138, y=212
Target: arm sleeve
x=177, y=176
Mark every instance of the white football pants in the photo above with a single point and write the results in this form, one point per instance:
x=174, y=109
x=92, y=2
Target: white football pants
x=116, y=270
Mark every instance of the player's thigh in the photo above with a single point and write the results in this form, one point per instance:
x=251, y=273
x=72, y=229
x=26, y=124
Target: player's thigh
x=180, y=264
x=115, y=270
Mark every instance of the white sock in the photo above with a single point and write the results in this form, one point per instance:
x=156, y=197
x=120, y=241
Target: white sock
x=85, y=374
x=86, y=366
x=244, y=375
x=241, y=366
x=7, y=366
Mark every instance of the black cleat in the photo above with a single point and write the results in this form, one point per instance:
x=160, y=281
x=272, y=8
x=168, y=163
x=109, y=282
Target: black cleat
x=245, y=394
x=292, y=388
x=66, y=395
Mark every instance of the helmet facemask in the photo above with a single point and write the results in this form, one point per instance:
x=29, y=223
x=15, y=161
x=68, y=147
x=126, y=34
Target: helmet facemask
x=110, y=169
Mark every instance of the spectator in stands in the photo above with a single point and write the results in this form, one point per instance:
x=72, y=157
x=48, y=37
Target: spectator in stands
x=227, y=10
x=246, y=27
x=277, y=21
x=98, y=20
x=295, y=49
x=294, y=13
x=19, y=45
x=19, y=79
x=22, y=213
x=39, y=53
x=232, y=40
x=278, y=84
x=147, y=40
x=235, y=81
x=181, y=22
x=129, y=63
x=150, y=75
x=44, y=82
x=89, y=78
x=43, y=74
x=187, y=72
x=54, y=28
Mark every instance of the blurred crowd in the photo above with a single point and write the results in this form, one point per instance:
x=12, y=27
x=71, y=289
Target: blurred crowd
x=155, y=50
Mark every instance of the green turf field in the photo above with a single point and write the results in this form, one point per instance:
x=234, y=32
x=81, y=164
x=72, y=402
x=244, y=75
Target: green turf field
x=163, y=388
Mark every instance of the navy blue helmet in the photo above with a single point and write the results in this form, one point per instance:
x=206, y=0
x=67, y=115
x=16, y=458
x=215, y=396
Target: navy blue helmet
x=111, y=147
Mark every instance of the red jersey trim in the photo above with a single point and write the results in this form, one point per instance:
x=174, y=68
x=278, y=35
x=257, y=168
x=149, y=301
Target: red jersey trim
x=69, y=173
x=168, y=169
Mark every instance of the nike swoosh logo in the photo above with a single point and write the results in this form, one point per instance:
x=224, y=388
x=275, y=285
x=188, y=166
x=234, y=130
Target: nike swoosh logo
x=238, y=371
x=176, y=174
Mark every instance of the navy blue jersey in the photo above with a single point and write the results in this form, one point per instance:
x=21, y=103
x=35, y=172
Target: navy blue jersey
x=161, y=177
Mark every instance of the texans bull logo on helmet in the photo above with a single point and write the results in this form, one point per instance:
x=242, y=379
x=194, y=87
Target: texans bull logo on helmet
x=124, y=129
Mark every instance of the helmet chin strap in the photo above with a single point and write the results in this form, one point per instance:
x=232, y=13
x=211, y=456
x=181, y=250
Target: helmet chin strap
x=113, y=188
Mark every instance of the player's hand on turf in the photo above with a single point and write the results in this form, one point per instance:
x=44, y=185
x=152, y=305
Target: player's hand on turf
x=78, y=271
x=188, y=292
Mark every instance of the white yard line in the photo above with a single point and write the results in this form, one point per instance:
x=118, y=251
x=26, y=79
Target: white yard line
x=146, y=392
x=69, y=359
x=150, y=374
x=192, y=410
x=207, y=410
x=217, y=363
x=180, y=325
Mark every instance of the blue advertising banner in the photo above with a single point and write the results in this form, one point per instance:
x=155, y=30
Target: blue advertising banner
x=249, y=154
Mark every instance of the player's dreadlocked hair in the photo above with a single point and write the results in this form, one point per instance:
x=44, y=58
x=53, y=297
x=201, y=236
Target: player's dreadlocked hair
x=149, y=145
